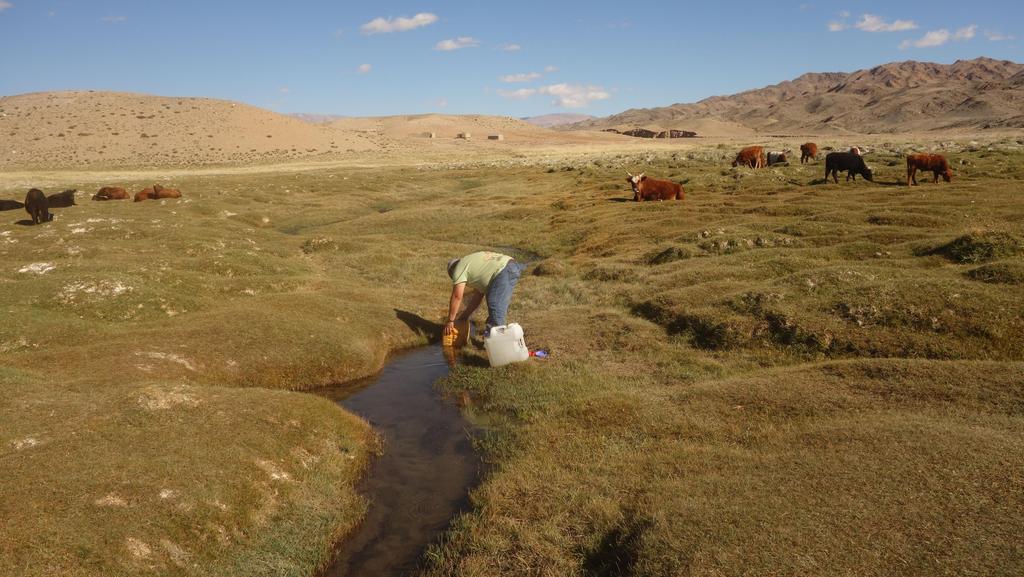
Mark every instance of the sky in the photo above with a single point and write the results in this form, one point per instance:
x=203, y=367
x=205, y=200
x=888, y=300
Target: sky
x=522, y=58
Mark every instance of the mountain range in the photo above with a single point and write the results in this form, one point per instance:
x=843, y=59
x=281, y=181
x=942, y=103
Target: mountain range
x=905, y=96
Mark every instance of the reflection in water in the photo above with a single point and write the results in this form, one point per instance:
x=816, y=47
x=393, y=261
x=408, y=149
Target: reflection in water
x=423, y=478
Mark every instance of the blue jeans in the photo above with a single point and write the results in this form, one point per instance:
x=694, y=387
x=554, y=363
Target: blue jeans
x=499, y=294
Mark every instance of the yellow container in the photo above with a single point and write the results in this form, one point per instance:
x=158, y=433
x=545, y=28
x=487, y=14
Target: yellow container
x=459, y=336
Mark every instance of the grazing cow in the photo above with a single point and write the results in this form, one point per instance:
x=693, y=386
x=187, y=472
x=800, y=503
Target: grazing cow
x=925, y=162
x=852, y=163
x=62, y=199
x=777, y=158
x=37, y=207
x=645, y=188
x=111, y=193
x=808, y=151
x=752, y=156
x=11, y=205
x=145, y=194
x=161, y=192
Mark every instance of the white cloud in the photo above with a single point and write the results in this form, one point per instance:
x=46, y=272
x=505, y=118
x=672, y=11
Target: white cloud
x=456, y=43
x=836, y=26
x=965, y=33
x=441, y=103
x=511, y=47
x=4, y=5
x=364, y=68
x=401, y=24
x=844, y=13
x=518, y=94
x=996, y=36
x=550, y=68
x=521, y=77
x=284, y=90
x=872, y=23
x=574, y=96
x=939, y=37
x=114, y=18
x=566, y=95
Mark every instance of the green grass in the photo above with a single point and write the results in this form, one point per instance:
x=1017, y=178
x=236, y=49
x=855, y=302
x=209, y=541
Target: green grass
x=774, y=376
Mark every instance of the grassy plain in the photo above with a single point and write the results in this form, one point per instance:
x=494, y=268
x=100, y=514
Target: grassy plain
x=774, y=376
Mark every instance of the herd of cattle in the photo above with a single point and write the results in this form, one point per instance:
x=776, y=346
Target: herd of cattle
x=38, y=204
x=851, y=162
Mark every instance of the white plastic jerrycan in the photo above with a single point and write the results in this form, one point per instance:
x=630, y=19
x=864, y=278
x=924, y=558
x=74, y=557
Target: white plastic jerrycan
x=506, y=345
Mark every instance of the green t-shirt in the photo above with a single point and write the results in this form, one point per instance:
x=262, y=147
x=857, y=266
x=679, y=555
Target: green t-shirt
x=478, y=269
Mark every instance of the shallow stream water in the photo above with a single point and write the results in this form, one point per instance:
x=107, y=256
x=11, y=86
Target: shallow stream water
x=425, y=473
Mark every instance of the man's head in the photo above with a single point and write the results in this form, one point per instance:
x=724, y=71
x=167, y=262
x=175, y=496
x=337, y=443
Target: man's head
x=451, y=267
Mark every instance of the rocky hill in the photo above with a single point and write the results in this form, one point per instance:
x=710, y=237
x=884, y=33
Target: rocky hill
x=897, y=97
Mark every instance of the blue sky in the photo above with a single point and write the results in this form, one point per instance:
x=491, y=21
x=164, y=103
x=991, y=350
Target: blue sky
x=513, y=58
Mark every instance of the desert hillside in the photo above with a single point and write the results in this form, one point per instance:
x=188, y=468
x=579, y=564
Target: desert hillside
x=896, y=97
x=557, y=119
x=111, y=129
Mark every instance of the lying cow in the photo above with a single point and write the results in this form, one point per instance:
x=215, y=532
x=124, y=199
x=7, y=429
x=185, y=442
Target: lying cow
x=752, y=156
x=145, y=194
x=925, y=162
x=62, y=199
x=645, y=188
x=111, y=193
x=852, y=163
x=11, y=205
x=37, y=207
x=161, y=192
x=808, y=151
x=777, y=158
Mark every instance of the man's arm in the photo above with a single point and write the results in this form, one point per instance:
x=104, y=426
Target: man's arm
x=453, y=306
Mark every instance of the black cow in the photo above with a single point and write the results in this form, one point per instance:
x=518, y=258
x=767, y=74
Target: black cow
x=62, y=199
x=37, y=206
x=852, y=163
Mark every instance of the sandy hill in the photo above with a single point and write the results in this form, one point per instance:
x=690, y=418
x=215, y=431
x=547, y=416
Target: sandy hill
x=111, y=129
x=897, y=97
x=444, y=126
x=557, y=119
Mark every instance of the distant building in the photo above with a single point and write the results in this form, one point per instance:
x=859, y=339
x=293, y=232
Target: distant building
x=429, y=135
x=495, y=137
x=463, y=135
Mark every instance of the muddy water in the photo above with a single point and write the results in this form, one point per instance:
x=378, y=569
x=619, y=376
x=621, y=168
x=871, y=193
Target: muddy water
x=422, y=480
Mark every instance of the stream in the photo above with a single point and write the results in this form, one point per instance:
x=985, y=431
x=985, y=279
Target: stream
x=423, y=478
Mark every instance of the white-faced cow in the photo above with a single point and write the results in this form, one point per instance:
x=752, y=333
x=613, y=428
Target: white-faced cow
x=646, y=188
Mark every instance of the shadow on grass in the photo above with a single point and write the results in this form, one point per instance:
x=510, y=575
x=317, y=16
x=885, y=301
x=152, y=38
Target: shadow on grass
x=618, y=552
x=619, y=199
x=420, y=325
x=25, y=222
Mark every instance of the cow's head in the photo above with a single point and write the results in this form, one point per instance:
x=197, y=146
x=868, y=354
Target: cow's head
x=867, y=174
x=947, y=175
x=634, y=183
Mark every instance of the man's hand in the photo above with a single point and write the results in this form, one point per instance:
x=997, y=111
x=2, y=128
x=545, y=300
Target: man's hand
x=449, y=327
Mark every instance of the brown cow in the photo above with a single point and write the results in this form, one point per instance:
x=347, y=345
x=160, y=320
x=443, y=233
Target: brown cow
x=645, y=188
x=111, y=193
x=752, y=156
x=161, y=192
x=62, y=199
x=925, y=162
x=808, y=151
x=37, y=206
x=145, y=194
